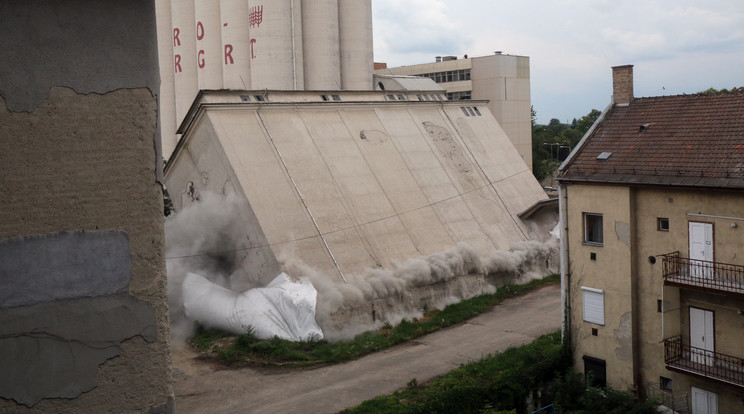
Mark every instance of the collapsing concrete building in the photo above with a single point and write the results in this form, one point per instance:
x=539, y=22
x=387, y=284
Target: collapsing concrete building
x=345, y=182
x=322, y=176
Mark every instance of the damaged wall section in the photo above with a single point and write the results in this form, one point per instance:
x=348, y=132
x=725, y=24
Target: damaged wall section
x=83, y=313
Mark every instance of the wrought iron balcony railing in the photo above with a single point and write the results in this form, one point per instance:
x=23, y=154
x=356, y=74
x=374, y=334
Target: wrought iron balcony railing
x=703, y=275
x=715, y=366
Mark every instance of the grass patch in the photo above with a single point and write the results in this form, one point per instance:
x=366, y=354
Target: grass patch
x=496, y=383
x=503, y=383
x=247, y=349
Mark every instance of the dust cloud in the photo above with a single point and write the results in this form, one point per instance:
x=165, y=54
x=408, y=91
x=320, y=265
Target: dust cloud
x=206, y=238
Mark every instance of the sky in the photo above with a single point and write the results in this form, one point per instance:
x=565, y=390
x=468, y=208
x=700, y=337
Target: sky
x=676, y=47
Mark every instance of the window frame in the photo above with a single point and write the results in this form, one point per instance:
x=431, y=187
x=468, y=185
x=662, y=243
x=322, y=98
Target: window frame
x=585, y=232
x=659, y=221
x=595, y=365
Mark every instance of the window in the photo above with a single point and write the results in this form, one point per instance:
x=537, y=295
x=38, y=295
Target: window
x=662, y=224
x=593, y=305
x=336, y=97
x=593, y=229
x=665, y=383
x=595, y=371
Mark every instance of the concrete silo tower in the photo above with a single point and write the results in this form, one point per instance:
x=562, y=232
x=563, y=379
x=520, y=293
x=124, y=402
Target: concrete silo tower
x=355, y=27
x=257, y=45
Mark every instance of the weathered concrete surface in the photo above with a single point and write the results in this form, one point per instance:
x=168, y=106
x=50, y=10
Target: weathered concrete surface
x=61, y=355
x=89, y=46
x=65, y=265
x=80, y=153
x=204, y=388
x=87, y=163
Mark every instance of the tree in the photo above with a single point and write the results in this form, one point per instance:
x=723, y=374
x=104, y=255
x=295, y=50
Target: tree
x=552, y=143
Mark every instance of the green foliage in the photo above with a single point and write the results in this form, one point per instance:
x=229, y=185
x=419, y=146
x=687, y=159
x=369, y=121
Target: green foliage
x=167, y=203
x=571, y=395
x=496, y=384
x=552, y=143
x=246, y=348
x=204, y=339
x=502, y=383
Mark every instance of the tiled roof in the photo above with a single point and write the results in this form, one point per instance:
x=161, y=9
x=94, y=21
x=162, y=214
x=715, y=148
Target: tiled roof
x=683, y=140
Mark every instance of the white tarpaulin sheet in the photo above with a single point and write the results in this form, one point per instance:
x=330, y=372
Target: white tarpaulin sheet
x=285, y=308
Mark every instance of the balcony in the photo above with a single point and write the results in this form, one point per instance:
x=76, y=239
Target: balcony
x=703, y=275
x=698, y=362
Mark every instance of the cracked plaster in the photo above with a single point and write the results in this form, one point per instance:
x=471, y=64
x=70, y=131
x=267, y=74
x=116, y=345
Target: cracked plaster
x=54, y=350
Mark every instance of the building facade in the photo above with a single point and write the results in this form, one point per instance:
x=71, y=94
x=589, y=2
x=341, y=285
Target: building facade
x=503, y=80
x=653, y=272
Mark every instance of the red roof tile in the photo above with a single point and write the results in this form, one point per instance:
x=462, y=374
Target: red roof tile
x=686, y=140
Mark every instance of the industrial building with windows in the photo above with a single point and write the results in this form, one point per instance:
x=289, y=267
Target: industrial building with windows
x=503, y=80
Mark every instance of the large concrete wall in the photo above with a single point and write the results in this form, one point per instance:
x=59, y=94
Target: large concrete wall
x=367, y=184
x=83, y=313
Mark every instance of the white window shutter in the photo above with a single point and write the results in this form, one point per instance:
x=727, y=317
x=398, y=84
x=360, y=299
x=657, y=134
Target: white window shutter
x=593, y=305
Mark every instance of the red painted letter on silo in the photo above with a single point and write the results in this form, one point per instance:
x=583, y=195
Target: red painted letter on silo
x=176, y=40
x=199, y=31
x=228, y=54
x=200, y=59
x=178, y=63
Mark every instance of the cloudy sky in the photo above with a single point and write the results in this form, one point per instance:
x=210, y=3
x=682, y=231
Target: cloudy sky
x=677, y=46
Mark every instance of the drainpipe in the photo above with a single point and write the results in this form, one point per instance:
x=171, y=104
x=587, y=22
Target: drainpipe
x=565, y=276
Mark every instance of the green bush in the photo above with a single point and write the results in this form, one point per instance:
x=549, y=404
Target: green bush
x=496, y=383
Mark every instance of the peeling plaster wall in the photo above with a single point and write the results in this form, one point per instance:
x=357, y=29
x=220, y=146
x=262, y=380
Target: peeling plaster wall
x=607, y=268
x=83, y=312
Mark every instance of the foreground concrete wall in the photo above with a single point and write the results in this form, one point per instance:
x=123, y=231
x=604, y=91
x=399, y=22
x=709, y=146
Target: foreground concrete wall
x=83, y=312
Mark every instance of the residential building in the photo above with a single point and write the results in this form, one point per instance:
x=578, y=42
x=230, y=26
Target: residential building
x=503, y=80
x=652, y=209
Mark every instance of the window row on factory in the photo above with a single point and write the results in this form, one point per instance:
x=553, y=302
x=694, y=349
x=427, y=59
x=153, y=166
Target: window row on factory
x=448, y=76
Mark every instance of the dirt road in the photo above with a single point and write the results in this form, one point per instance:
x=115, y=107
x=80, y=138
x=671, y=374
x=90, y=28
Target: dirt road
x=202, y=387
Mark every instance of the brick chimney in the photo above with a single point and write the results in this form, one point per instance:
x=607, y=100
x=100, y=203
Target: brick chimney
x=622, y=84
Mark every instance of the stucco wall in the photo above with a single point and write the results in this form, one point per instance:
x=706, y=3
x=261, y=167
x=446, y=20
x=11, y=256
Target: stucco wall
x=681, y=207
x=641, y=207
x=609, y=272
x=81, y=166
